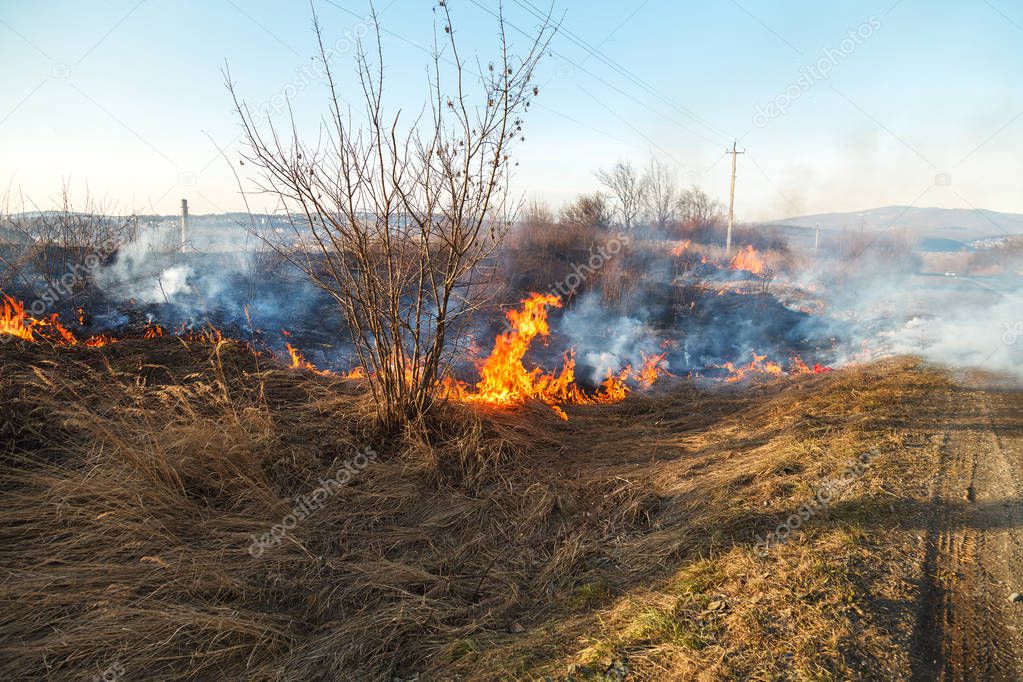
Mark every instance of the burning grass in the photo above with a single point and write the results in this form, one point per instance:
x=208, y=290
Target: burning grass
x=136, y=475
x=505, y=381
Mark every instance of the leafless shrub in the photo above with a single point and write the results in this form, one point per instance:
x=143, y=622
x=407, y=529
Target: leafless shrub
x=38, y=247
x=589, y=212
x=394, y=220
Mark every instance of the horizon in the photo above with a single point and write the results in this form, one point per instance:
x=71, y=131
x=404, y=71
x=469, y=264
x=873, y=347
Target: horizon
x=129, y=100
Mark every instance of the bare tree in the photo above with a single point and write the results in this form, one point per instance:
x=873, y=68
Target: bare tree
x=661, y=193
x=696, y=209
x=589, y=211
x=627, y=189
x=395, y=219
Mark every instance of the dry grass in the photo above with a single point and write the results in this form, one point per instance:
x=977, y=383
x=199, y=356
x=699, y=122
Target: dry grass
x=481, y=546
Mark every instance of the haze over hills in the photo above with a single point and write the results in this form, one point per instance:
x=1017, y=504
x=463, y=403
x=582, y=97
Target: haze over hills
x=964, y=225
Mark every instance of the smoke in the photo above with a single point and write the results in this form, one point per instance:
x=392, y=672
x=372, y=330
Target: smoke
x=229, y=284
x=898, y=302
x=606, y=343
x=847, y=303
x=963, y=336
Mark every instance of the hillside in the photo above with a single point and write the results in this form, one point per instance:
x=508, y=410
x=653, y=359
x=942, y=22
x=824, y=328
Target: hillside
x=958, y=224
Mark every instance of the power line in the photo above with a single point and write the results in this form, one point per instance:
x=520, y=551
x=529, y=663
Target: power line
x=598, y=77
x=552, y=110
x=621, y=70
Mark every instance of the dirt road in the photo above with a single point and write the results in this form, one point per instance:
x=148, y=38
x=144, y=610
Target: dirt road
x=967, y=628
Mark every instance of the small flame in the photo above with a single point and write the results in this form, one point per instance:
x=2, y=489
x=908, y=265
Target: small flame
x=356, y=373
x=65, y=334
x=298, y=360
x=99, y=341
x=14, y=321
x=653, y=367
x=799, y=367
x=152, y=331
x=762, y=366
x=681, y=247
x=759, y=365
x=748, y=259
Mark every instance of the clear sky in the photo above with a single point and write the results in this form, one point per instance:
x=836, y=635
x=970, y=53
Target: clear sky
x=921, y=107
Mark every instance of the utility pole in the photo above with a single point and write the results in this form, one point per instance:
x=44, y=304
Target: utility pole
x=731, y=198
x=184, y=224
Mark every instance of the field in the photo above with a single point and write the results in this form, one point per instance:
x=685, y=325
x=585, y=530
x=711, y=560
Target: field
x=811, y=528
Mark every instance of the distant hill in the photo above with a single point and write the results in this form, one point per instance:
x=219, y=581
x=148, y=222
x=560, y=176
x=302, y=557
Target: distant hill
x=958, y=224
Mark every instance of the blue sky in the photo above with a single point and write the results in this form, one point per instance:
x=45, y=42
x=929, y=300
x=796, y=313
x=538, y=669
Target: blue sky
x=923, y=108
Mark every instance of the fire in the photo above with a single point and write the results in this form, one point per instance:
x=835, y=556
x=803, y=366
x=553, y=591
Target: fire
x=14, y=321
x=505, y=381
x=65, y=334
x=614, y=387
x=356, y=373
x=762, y=366
x=298, y=360
x=681, y=247
x=653, y=367
x=207, y=333
x=99, y=341
x=748, y=259
x=759, y=365
x=504, y=378
x=152, y=331
x=797, y=366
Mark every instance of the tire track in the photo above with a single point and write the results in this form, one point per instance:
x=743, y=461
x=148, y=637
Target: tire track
x=966, y=628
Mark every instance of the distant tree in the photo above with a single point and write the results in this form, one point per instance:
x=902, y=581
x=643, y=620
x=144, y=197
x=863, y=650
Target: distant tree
x=537, y=224
x=589, y=211
x=696, y=209
x=661, y=195
x=538, y=213
x=627, y=188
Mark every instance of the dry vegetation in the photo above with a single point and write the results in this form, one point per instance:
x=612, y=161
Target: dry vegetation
x=487, y=546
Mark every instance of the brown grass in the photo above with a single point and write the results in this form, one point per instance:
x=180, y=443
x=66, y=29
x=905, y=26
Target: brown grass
x=481, y=546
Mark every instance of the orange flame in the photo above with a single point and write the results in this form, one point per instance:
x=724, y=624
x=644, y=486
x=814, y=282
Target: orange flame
x=152, y=331
x=504, y=379
x=681, y=247
x=760, y=365
x=614, y=387
x=65, y=334
x=799, y=367
x=356, y=373
x=14, y=321
x=653, y=367
x=99, y=341
x=748, y=259
x=298, y=360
